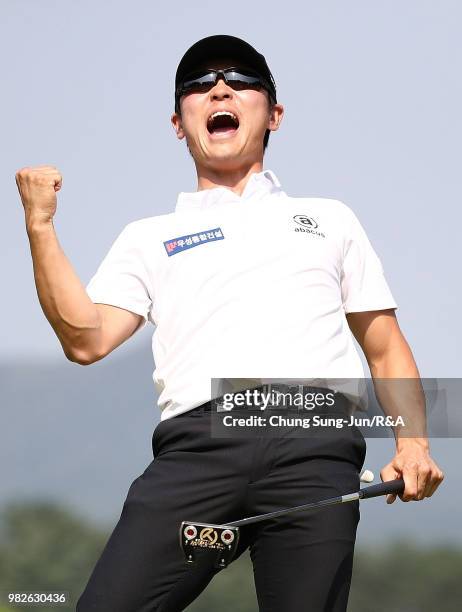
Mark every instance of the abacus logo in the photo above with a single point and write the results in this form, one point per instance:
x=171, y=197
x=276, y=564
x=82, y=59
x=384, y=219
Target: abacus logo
x=305, y=221
x=307, y=224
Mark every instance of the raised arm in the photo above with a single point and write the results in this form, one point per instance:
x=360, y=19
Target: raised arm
x=87, y=331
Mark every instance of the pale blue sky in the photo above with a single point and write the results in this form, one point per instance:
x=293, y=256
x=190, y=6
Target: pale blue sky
x=372, y=95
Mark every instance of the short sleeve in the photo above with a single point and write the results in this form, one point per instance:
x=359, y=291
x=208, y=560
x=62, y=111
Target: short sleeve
x=363, y=282
x=122, y=279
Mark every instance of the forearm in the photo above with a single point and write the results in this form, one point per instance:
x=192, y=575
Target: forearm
x=398, y=389
x=65, y=303
x=399, y=392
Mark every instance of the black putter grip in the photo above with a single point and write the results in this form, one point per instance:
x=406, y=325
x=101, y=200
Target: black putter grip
x=390, y=486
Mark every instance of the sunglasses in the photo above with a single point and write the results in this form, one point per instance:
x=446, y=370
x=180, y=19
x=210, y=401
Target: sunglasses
x=237, y=78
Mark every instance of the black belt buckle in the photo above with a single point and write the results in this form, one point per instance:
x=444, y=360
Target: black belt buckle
x=218, y=539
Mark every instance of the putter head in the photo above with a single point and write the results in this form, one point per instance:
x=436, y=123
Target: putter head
x=218, y=540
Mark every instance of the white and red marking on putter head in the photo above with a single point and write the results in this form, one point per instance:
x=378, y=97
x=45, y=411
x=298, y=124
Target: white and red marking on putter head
x=190, y=532
x=227, y=536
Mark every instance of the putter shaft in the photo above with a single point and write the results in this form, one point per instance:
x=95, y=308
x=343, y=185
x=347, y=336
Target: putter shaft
x=385, y=488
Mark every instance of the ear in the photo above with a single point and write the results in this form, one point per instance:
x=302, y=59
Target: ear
x=275, y=116
x=177, y=125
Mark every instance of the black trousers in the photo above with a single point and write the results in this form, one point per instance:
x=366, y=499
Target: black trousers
x=302, y=562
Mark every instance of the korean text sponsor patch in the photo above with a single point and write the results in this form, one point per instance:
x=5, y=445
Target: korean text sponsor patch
x=176, y=245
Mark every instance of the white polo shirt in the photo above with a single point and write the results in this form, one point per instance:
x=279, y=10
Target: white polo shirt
x=252, y=286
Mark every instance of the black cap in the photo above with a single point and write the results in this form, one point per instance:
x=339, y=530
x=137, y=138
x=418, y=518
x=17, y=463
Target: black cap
x=221, y=46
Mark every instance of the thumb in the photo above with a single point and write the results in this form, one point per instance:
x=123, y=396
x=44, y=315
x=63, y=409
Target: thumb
x=389, y=473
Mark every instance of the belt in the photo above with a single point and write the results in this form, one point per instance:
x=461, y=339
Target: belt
x=338, y=403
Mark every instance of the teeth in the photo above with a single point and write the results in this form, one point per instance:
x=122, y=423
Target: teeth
x=218, y=113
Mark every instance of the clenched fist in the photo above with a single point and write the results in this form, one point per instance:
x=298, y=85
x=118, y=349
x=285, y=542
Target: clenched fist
x=37, y=188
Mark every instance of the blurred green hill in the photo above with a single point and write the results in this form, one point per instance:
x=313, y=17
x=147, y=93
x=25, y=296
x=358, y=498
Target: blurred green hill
x=46, y=547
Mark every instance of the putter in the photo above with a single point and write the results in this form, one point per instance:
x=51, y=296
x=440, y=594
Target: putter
x=222, y=540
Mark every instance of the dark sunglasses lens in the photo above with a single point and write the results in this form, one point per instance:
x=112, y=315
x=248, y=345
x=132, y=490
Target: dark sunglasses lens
x=199, y=81
x=243, y=77
x=241, y=80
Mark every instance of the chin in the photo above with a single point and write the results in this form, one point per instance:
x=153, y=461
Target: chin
x=226, y=157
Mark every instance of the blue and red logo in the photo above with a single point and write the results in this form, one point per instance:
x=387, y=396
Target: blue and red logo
x=176, y=245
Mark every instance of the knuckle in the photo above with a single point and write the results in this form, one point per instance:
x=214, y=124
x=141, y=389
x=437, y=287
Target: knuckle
x=412, y=465
x=21, y=173
x=40, y=178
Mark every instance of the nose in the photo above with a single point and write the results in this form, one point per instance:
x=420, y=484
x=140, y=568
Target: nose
x=220, y=90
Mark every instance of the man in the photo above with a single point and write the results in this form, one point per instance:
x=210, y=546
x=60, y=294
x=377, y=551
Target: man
x=241, y=281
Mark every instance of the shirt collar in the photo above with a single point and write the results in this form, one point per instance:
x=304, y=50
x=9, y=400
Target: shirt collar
x=259, y=185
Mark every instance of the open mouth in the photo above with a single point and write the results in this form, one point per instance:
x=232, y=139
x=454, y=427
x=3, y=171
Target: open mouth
x=222, y=122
